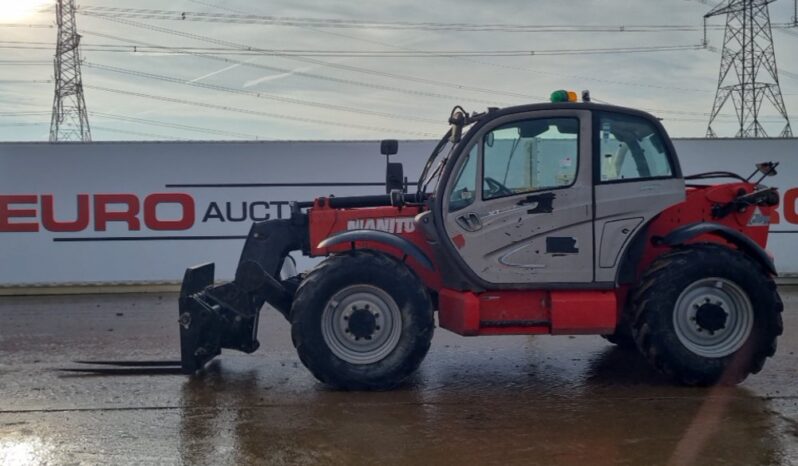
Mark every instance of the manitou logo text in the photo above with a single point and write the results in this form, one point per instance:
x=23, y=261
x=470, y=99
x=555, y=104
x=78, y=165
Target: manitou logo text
x=389, y=225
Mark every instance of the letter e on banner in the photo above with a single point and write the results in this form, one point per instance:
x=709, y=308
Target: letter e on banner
x=7, y=213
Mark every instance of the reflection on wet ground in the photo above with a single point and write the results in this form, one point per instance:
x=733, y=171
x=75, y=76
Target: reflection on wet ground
x=510, y=400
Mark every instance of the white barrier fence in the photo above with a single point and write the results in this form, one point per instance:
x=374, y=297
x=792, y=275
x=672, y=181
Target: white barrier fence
x=142, y=212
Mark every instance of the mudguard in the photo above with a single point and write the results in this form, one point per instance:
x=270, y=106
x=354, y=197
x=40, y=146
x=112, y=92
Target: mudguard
x=747, y=245
x=379, y=237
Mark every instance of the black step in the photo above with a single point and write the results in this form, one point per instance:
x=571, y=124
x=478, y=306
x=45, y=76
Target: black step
x=513, y=323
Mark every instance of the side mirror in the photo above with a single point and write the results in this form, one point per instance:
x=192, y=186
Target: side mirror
x=389, y=147
x=394, y=177
x=394, y=173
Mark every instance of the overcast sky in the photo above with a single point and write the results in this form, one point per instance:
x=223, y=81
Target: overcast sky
x=665, y=83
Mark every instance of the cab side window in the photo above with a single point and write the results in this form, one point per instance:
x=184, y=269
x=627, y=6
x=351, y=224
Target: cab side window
x=631, y=148
x=530, y=155
x=464, y=191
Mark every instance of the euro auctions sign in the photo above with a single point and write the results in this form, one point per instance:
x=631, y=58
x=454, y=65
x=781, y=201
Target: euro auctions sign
x=35, y=212
x=155, y=211
x=143, y=212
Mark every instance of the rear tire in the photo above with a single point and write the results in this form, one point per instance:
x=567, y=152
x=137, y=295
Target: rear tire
x=362, y=321
x=707, y=314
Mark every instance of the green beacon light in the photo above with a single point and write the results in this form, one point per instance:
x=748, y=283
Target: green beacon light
x=563, y=96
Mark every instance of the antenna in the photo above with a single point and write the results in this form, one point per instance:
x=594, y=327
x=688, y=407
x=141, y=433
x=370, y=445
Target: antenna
x=70, y=121
x=748, y=73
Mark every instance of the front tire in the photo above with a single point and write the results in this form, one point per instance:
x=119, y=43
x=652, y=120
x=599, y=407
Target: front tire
x=707, y=314
x=623, y=336
x=362, y=321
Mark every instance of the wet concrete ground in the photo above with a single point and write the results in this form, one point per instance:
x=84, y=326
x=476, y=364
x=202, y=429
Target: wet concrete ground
x=488, y=400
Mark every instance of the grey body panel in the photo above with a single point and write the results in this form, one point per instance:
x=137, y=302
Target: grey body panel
x=517, y=239
x=622, y=210
x=614, y=236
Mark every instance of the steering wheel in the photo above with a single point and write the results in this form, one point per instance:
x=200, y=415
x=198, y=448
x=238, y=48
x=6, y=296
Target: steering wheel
x=496, y=189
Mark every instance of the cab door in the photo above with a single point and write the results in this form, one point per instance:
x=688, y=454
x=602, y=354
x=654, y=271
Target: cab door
x=519, y=207
x=637, y=177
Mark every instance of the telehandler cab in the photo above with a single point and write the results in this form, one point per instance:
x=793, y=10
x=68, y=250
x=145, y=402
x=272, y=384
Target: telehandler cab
x=557, y=218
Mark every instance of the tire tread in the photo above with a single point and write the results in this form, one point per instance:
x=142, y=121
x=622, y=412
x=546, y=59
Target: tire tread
x=655, y=285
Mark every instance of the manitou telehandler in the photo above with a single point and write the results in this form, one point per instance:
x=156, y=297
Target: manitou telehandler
x=558, y=218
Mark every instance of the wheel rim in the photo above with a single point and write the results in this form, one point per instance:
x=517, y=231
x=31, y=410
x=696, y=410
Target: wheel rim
x=713, y=317
x=361, y=324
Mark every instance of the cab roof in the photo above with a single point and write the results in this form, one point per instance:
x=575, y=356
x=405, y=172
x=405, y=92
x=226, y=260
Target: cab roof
x=591, y=106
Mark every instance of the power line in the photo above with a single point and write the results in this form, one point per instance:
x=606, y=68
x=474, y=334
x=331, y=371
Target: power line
x=320, y=62
x=340, y=66
x=207, y=54
x=15, y=114
x=26, y=42
x=29, y=26
x=257, y=94
x=144, y=121
x=139, y=133
x=373, y=53
x=324, y=31
x=139, y=13
x=24, y=62
x=21, y=103
x=448, y=84
x=278, y=69
x=33, y=123
x=229, y=133
x=243, y=135
x=703, y=120
x=245, y=111
x=191, y=51
x=26, y=81
x=163, y=124
x=502, y=65
x=332, y=65
x=293, y=72
x=789, y=74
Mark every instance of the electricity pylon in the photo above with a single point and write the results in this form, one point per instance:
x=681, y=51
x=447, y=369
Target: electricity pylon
x=748, y=73
x=70, y=120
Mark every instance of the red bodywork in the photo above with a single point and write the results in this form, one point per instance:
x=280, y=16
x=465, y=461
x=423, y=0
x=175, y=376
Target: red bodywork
x=513, y=312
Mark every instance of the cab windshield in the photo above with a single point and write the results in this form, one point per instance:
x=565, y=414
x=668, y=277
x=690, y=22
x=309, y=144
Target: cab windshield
x=430, y=176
